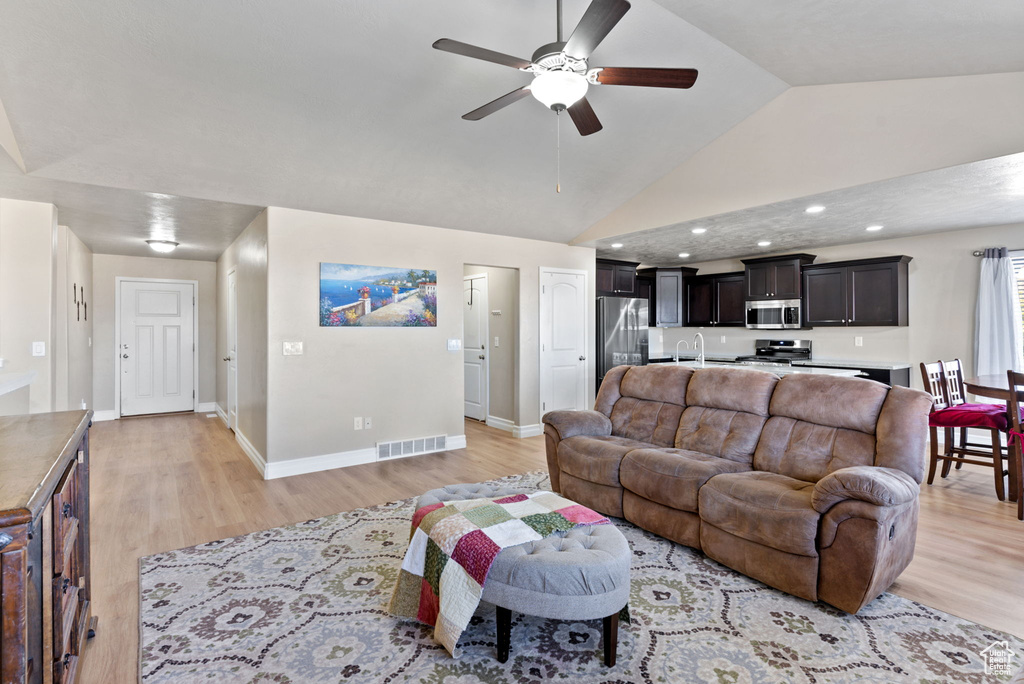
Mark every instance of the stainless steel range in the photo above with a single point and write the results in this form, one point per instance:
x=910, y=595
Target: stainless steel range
x=777, y=352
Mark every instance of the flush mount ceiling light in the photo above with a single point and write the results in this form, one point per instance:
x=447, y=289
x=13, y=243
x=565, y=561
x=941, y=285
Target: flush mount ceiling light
x=162, y=245
x=616, y=245
x=684, y=255
x=873, y=228
x=699, y=231
x=764, y=243
x=814, y=209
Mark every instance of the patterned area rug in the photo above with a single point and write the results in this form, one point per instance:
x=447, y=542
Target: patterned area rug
x=306, y=603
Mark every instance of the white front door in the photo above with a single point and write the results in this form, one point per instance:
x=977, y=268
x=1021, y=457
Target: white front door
x=232, y=357
x=474, y=313
x=157, y=347
x=563, y=339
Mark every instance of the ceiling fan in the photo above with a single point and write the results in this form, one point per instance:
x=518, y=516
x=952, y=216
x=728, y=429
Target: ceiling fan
x=561, y=73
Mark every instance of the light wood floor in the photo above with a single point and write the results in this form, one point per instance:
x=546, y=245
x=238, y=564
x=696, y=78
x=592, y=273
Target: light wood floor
x=167, y=482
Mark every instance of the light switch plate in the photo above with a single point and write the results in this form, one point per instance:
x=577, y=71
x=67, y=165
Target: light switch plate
x=293, y=348
x=858, y=341
x=357, y=423
x=496, y=345
x=454, y=344
x=39, y=349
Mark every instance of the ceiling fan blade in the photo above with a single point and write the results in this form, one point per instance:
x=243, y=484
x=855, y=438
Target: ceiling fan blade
x=584, y=117
x=475, y=52
x=650, y=77
x=600, y=18
x=491, y=107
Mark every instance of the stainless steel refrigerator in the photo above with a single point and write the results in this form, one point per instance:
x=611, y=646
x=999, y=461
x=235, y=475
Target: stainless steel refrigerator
x=621, y=333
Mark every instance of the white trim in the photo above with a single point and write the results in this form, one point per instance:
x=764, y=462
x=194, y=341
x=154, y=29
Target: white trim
x=500, y=423
x=588, y=325
x=118, y=280
x=341, y=459
x=253, y=453
x=206, y=407
x=523, y=431
x=100, y=416
x=222, y=413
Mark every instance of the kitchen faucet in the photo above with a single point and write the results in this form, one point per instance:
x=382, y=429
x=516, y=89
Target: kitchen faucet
x=700, y=357
x=677, y=348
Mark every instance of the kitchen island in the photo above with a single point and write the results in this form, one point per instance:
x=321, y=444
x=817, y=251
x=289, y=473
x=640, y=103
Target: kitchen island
x=776, y=368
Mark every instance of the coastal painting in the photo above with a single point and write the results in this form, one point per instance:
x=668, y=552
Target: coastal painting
x=377, y=296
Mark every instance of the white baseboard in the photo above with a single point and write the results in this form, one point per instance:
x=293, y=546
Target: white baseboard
x=206, y=407
x=98, y=416
x=342, y=459
x=528, y=430
x=253, y=453
x=500, y=423
x=223, y=415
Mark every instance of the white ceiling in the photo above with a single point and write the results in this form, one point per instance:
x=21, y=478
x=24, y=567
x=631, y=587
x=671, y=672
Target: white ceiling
x=985, y=193
x=808, y=42
x=343, y=107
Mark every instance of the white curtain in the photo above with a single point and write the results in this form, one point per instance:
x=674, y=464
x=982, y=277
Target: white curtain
x=997, y=330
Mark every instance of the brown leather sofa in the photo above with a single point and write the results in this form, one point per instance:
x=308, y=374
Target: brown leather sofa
x=807, y=483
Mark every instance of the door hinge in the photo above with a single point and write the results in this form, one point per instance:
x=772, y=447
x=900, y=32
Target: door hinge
x=193, y=394
x=543, y=406
x=543, y=289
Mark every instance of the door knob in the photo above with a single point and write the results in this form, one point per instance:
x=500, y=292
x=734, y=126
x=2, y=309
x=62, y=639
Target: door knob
x=124, y=356
x=583, y=358
x=227, y=358
x=481, y=357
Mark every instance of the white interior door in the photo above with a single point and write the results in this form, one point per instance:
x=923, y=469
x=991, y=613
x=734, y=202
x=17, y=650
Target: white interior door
x=474, y=314
x=563, y=339
x=157, y=347
x=232, y=357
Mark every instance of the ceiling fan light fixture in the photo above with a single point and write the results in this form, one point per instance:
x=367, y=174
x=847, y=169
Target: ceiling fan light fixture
x=163, y=246
x=558, y=90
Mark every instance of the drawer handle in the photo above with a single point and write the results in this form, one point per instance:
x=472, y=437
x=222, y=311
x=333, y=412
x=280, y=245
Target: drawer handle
x=64, y=585
x=66, y=509
x=67, y=661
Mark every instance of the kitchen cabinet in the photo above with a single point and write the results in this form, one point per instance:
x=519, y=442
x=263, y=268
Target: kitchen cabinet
x=865, y=292
x=775, y=277
x=667, y=301
x=616, y=278
x=715, y=300
x=645, y=289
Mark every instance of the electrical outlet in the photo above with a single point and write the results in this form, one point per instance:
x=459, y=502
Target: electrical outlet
x=293, y=348
x=357, y=423
x=858, y=341
x=84, y=406
x=2, y=362
x=367, y=423
x=722, y=339
x=496, y=345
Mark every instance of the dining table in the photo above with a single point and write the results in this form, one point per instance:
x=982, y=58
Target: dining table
x=997, y=387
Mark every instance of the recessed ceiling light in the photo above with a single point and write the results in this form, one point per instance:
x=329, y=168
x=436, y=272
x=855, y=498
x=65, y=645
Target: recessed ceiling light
x=814, y=209
x=162, y=245
x=616, y=245
x=699, y=231
x=684, y=255
x=764, y=243
x=873, y=228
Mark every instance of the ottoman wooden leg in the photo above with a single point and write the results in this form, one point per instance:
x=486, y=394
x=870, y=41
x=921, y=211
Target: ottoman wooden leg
x=611, y=638
x=504, y=616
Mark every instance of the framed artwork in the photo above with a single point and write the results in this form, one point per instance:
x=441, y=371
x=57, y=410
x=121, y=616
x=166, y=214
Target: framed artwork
x=377, y=296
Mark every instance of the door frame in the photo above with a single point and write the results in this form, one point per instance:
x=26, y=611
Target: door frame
x=117, y=335
x=587, y=330
x=233, y=334
x=487, y=347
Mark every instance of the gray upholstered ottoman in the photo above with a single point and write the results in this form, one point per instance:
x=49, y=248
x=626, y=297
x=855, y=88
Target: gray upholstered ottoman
x=582, y=574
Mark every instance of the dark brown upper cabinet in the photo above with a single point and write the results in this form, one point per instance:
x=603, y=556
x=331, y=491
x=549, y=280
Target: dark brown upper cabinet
x=667, y=301
x=715, y=300
x=616, y=278
x=775, y=277
x=859, y=293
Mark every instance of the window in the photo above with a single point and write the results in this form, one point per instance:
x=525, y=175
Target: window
x=1017, y=257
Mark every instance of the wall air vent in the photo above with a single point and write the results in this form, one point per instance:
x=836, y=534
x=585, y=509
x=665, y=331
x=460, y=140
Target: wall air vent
x=411, y=447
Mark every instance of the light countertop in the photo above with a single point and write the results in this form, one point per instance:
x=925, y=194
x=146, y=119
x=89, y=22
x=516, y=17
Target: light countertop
x=834, y=363
x=15, y=381
x=777, y=369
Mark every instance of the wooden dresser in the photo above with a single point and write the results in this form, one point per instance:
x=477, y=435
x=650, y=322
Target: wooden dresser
x=44, y=546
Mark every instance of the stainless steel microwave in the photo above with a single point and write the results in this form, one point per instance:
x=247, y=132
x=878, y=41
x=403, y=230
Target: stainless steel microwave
x=774, y=314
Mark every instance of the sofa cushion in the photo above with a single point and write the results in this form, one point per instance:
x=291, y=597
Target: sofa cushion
x=596, y=459
x=852, y=403
x=648, y=401
x=719, y=432
x=658, y=382
x=733, y=389
x=646, y=421
x=808, y=451
x=766, y=508
x=672, y=477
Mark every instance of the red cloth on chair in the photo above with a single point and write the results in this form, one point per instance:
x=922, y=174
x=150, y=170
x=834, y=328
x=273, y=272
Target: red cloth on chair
x=970, y=415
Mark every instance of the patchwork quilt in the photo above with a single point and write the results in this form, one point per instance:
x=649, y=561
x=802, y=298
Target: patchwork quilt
x=454, y=544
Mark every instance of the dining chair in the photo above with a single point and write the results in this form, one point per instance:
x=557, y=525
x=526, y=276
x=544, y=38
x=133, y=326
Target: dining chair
x=951, y=412
x=1015, y=442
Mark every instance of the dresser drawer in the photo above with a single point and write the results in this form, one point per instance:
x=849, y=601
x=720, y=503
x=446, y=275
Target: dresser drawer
x=65, y=613
x=65, y=503
x=65, y=670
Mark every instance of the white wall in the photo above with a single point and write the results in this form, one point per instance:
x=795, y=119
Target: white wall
x=247, y=256
x=814, y=139
x=403, y=378
x=27, y=239
x=107, y=267
x=502, y=295
x=943, y=284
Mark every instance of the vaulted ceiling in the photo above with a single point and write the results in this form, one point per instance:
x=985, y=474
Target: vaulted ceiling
x=141, y=116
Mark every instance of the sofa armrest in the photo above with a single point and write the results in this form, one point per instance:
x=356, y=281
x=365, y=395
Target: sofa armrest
x=872, y=484
x=572, y=423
